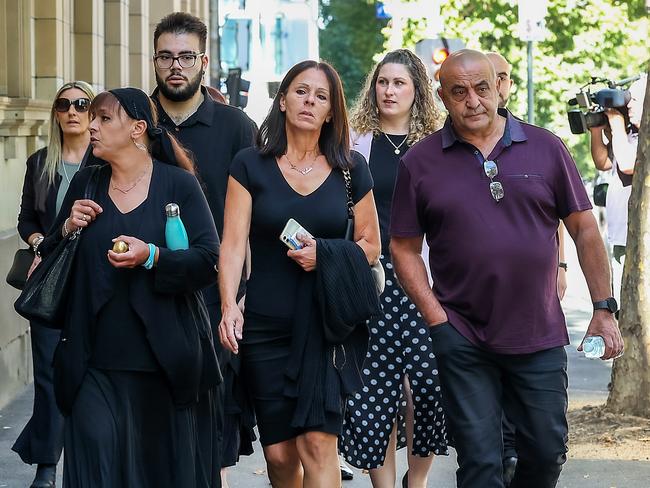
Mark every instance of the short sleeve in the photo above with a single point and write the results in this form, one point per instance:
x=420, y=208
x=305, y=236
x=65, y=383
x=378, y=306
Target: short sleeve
x=361, y=178
x=404, y=220
x=239, y=168
x=570, y=193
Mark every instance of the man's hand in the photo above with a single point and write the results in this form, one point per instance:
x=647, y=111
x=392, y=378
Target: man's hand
x=603, y=324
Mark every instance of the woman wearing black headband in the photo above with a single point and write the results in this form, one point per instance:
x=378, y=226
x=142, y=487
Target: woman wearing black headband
x=135, y=371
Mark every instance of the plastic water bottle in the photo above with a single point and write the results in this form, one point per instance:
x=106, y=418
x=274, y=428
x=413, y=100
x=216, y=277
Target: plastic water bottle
x=593, y=347
x=175, y=233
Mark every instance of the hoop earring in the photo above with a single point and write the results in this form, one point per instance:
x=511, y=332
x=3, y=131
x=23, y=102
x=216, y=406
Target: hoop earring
x=140, y=146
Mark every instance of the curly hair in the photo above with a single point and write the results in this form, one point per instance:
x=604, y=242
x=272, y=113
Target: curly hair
x=425, y=115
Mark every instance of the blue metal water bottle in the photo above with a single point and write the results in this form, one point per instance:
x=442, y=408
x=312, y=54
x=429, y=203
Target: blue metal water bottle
x=175, y=233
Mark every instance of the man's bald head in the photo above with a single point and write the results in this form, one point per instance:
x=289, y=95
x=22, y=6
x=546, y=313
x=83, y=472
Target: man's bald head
x=503, y=70
x=465, y=59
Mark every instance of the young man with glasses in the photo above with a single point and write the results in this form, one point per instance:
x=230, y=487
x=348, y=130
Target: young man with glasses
x=214, y=132
x=488, y=191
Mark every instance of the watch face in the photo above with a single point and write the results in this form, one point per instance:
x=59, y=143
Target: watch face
x=612, y=305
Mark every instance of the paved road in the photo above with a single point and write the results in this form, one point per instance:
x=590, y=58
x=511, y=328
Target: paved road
x=587, y=384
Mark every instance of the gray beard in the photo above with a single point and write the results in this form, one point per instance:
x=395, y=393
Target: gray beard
x=180, y=94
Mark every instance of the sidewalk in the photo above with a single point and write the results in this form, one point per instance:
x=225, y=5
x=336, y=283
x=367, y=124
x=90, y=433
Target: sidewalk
x=587, y=385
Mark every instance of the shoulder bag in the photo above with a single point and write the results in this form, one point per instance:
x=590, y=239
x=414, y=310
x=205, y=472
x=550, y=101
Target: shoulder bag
x=45, y=292
x=377, y=269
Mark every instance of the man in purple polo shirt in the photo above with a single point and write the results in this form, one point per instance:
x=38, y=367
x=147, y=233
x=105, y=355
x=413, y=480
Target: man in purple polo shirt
x=488, y=193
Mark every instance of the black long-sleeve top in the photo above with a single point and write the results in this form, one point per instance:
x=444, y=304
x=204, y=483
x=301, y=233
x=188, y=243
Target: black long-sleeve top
x=38, y=201
x=166, y=299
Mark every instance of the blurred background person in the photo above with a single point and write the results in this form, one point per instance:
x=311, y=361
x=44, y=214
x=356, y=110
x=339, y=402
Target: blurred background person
x=295, y=171
x=394, y=111
x=135, y=354
x=613, y=149
x=48, y=176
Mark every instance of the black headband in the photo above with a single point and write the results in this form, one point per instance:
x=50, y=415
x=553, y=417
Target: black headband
x=137, y=105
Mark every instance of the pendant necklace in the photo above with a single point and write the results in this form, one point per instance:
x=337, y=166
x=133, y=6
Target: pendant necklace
x=67, y=178
x=127, y=190
x=397, y=151
x=303, y=171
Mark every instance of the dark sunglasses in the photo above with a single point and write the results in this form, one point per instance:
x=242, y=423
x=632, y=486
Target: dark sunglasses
x=80, y=104
x=491, y=171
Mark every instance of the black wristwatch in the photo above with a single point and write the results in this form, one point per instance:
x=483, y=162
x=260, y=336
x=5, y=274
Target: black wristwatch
x=608, y=304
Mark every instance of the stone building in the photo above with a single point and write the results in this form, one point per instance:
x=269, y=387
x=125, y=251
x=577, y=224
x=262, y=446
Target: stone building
x=43, y=44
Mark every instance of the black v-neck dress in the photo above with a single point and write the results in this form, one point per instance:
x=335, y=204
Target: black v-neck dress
x=273, y=283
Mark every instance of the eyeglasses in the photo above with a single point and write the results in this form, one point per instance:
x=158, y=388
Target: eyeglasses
x=186, y=60
x=80, y=104
x=491, y=171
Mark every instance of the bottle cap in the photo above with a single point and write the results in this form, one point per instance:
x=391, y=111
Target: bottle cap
x=172, y=210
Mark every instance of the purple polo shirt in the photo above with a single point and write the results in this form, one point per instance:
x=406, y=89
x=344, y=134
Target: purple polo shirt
x=494, y=264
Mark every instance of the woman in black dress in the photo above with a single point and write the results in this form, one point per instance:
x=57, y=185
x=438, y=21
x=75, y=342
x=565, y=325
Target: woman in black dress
x=295, y=172
x=135, y=370
x=400, y=404
x=48, y=175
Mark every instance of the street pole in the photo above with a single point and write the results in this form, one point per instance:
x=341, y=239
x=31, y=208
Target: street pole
x=531, y=88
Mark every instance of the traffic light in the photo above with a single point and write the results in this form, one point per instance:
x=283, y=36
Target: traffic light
x=433, y=52
x=237, y=88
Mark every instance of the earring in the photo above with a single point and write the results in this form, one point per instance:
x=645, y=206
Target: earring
x=139, y=145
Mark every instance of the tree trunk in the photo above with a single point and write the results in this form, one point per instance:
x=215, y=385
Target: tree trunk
x=630, y=392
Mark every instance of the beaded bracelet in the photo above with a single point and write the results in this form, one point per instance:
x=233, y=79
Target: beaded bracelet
x=148, y=264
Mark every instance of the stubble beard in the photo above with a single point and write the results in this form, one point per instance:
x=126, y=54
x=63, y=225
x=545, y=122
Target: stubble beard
x=180, y=94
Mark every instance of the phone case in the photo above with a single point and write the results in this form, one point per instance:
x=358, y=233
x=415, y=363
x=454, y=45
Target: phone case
x=289, y=233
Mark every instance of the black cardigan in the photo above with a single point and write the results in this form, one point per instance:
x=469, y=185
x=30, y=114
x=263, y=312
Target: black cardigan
x=38, y=201
x=167, y=298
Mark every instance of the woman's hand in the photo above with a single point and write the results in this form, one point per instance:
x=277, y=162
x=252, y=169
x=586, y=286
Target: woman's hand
x=35, y=263
x=230, y=328
x=137, y=254
x=305, y=257
x=83, y=212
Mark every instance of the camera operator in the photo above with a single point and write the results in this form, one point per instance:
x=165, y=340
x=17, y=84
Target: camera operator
x=618, y=156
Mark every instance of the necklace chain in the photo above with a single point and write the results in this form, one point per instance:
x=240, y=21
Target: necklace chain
x=303, y=171
x=67, y=178
x=397, y=151
x=127, y=190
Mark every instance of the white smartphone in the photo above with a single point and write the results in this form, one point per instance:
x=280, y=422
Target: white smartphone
x=290, y=232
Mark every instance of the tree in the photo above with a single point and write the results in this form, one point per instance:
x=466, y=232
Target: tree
x=350, y=37
x=604, y=38
x=630, y=391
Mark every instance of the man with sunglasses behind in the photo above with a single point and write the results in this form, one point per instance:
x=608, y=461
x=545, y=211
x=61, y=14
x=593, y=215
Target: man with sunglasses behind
x=488, y=192
x=214, y=132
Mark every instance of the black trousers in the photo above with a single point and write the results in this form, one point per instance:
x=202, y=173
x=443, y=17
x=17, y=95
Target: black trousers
x=478, y=386
x=508, y=438
x=41, y=441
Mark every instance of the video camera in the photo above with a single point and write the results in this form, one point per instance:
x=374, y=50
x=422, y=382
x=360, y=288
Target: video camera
x=596, y=103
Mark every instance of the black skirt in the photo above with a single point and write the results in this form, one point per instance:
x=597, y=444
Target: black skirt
x=265, y=352
x=124, y=430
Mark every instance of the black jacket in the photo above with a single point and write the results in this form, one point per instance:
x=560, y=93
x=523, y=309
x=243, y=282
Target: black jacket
x=167, y=298
x=38, y=202
x=320, y=375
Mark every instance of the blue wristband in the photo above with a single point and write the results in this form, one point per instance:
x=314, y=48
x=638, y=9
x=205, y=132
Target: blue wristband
x=148, y=264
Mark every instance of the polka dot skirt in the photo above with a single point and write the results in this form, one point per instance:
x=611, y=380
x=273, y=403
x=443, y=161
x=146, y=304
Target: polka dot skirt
x=399, y=345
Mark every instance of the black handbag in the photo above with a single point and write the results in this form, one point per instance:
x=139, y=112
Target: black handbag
x=378, y=273
x=600, y=194
x=17, y=275
x=45, y=292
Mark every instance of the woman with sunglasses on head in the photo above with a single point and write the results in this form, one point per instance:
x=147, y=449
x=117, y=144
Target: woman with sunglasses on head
x=135, y=370
x=48, y=176
x=400, y=404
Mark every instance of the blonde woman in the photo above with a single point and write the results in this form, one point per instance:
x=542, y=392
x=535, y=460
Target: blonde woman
x=49, y=172
x=394, y=111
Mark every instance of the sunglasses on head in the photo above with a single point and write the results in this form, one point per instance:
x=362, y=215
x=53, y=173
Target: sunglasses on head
x=80, y=104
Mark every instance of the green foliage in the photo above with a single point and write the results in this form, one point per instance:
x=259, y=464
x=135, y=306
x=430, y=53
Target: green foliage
x=603, y=38
x=350, y=37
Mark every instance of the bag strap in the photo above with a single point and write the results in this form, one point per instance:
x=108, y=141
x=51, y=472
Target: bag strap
x=93, y=181
x=348, y=191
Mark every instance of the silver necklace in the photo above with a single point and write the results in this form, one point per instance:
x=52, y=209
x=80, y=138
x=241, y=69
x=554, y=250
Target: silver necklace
x=67, y=178
x=397, y=151
x=303, y=171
